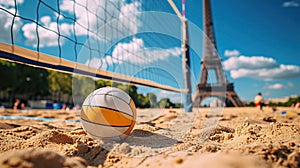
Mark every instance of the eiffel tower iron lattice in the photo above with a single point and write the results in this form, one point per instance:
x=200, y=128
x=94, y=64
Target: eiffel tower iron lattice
x=212, y=62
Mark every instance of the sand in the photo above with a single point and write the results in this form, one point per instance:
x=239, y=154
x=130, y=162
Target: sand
x=233, y=137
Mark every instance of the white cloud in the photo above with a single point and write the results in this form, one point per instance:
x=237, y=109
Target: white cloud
x=60, y=17
x=46, y=20
x=98, y=63
x=6, y=20
x=134, y=52
x=116, y=13
x=67, y=5
x=121, y=19
x=291, y=4
x=280, y=72
x=46, y=37
x=258, y=67
x=280, y=86
x=275, y=86
x=10, y=3
x=244, y=62
x=231, y=53
x=128, y=17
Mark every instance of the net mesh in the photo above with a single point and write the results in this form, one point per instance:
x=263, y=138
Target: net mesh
x=136, y=38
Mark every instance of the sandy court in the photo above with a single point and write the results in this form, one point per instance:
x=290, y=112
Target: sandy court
x=233, y=137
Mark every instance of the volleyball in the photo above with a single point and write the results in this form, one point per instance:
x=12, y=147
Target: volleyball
x=108, y=113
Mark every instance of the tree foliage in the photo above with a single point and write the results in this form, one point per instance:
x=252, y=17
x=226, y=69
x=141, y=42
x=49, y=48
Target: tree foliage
x=292, y=100
x=22, y=79
x=102, y=83
x=36, y=83
x=166, y=103
x=152, y=100
x=7, y=73
x=83, y=86
x=141, y=101
x=60, y=83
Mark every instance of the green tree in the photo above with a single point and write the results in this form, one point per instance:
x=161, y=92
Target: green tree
x=8, y=73
x=83, y=85
x=178, y=105
x=60, y=83
x=103, y=83
x=165, y=102
x=131, y=90
x=152, y=99
x=139, y=99
x=250, y=104
x=30, y=82
x=143, y=101
x=292, y=100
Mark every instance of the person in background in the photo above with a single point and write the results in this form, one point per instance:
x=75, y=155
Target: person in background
x=23, y=106
x=258, y=101
x=297, y=105
x=17, y=104
x=64, y=106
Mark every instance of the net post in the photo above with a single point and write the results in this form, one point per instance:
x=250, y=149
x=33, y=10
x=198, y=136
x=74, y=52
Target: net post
x=188, y=104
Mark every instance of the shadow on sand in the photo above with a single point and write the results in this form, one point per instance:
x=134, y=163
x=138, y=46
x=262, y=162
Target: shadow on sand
x=140, y=137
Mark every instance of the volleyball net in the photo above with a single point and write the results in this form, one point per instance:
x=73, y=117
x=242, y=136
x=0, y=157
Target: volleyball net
x=132, y=41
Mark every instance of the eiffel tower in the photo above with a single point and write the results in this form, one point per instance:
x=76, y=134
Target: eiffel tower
x=212, y=62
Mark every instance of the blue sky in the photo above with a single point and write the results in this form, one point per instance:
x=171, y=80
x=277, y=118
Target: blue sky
x=262, y=38
x=266, y=32
x=258, y=41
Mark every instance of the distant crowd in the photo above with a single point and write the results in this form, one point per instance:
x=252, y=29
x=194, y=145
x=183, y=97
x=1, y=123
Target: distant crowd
x=23, y=105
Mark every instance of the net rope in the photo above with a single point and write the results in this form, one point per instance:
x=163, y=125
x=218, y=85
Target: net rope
x=110, y=35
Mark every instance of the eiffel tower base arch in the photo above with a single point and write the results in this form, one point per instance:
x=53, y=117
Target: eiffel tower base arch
x=225, y=92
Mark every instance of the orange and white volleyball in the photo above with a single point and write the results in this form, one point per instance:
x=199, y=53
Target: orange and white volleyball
x=108, y=113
